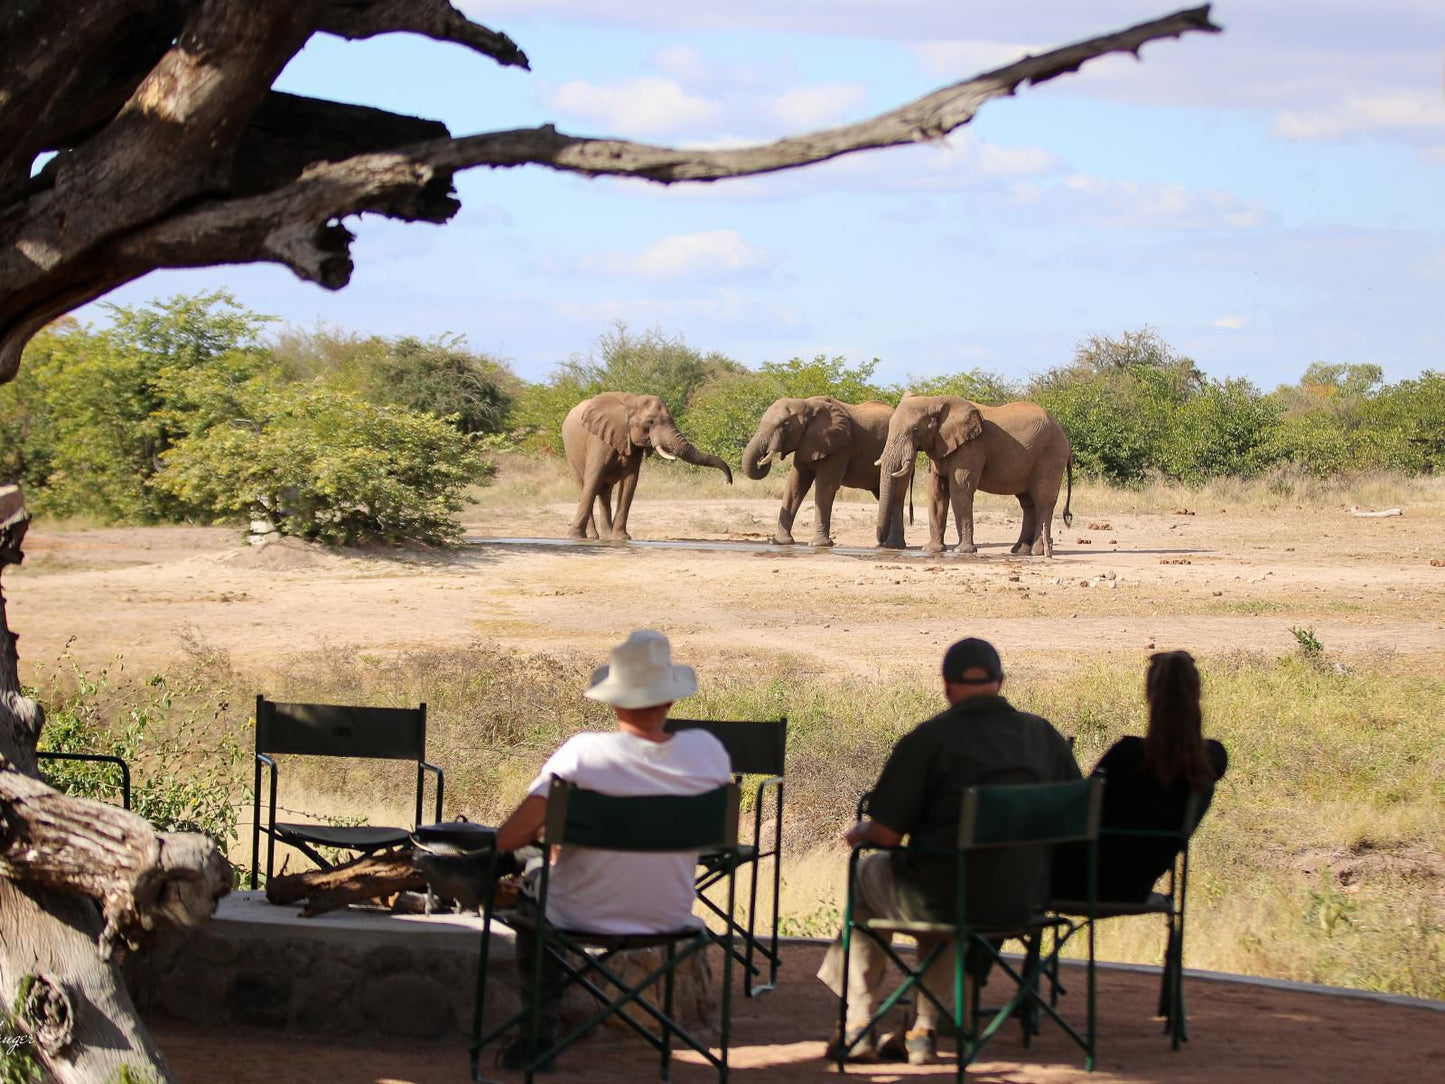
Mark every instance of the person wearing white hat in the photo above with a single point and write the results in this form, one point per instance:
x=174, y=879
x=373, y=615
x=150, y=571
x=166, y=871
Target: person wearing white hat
x=612, y=891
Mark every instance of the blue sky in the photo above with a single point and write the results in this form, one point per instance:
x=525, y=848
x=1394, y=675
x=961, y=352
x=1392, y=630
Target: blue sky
x=1264, y=198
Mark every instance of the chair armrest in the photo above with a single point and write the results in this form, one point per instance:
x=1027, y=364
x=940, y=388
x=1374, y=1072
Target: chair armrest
x=441, y=783
x=106, y=758
x=864, y=800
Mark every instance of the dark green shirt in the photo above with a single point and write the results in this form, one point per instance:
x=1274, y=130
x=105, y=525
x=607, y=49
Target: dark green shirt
x=980, y=740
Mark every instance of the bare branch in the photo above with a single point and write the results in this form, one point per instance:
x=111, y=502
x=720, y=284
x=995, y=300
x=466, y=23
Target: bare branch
x=297, y=223
x=433, y=18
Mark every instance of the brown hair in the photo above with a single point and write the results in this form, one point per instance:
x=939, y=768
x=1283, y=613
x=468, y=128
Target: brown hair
x=1174, y=745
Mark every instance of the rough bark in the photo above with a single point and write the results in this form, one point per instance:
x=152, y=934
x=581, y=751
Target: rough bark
x=169, y=153
x=367, y=878
x=79, y=879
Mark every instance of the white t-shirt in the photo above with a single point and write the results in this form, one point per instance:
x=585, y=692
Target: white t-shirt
x=617, y=891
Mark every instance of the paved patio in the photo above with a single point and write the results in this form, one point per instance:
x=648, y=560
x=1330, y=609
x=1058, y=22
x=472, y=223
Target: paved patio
x=1241, y=1032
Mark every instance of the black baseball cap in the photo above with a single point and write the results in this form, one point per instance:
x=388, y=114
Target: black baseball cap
x=970, y=653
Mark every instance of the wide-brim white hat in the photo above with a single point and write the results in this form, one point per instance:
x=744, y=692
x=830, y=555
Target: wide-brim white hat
x=642, y=674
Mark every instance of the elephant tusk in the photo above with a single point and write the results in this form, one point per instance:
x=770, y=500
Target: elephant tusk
x=767, y=458
x=665, y=454
x=878, y=462
x=901, y=472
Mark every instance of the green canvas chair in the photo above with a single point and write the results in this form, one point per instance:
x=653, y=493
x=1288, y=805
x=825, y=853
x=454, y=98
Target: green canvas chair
x=577, y=817
x=334, y=730
x=1170, y=903
x=1022, y=815
x=755, y=749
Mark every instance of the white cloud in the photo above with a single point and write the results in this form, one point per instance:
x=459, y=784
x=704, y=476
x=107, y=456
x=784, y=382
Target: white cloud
x=823, y=103
x=1233, y=323
x=1108, y=203
x=690, y=255
x=646, y=105
x=1401, y=111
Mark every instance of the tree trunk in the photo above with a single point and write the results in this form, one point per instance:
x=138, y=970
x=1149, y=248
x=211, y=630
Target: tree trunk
x=78, y=879
x=367, y=878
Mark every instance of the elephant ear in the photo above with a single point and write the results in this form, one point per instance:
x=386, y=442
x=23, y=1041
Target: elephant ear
x=961, y=422
x=605, y=416
x=829, y=430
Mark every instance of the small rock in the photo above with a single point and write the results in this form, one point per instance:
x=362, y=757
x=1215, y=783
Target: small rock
x=1014, y=578
x=1218, y=593
x=1084, y=541
x=1083, y=583
x=1149, y=644
x=1100, y=527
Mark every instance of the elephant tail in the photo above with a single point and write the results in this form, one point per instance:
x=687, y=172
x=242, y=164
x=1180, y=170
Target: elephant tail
x=1069, y=493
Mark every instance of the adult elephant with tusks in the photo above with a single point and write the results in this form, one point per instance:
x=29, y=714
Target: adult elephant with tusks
x=606, y=438
x=1016, y=448
x=833, y=444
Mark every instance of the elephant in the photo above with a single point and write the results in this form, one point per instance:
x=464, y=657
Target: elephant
x=832, y=443
x=606, y=438
x=1016, y=448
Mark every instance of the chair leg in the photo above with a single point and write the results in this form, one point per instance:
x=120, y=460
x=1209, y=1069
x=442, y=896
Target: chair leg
x=667, y=986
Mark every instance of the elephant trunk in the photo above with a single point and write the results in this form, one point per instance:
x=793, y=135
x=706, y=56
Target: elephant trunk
x=894, y=467
x=672, y=442
x=760, y=453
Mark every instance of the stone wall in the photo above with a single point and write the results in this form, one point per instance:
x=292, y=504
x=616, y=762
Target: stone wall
x=349, y=971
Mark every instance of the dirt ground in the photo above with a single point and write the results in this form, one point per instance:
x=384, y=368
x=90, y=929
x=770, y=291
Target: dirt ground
x=1237, y=1033
x=1214, y=580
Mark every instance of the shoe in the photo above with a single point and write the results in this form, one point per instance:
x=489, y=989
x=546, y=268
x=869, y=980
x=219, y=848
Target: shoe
x=860, y=1043
x=514, y=1055
x=891, y=1047
x=921, y=1045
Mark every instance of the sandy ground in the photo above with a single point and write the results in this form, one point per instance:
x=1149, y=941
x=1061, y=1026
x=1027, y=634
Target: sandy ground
x=1215, y=580
x=1238, y=1033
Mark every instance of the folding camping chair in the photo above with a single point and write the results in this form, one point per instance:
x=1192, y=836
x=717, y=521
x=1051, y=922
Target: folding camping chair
x=334, y=730
x=1022, y=815
x=755, y=748
x=1169, y=903
x=94, y=758
x=577, y=817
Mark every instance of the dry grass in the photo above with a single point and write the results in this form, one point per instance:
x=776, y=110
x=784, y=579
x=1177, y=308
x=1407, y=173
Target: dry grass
x=1319, y=860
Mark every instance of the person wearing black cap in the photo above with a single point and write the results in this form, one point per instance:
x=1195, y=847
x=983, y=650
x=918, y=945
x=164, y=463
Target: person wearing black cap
x=981, y=738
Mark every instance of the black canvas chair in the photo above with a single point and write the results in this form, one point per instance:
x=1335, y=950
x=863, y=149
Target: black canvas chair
x=1023, y=815
x=334, y=730
x=756, y=749
x=583, y=818
x=1170, y=903
x=95, y=758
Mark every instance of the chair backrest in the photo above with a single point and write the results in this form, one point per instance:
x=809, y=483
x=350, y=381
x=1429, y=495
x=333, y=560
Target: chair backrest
x=755, y=748
x=336, y=730
x=1037, y=813
x=660, y=822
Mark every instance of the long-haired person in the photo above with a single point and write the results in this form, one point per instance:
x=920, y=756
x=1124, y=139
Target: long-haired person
x=1148, y=783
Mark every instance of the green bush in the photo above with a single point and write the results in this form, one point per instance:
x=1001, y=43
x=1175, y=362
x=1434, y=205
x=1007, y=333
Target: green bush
x=1226, y=430
x=325, y=465
x=95, y=409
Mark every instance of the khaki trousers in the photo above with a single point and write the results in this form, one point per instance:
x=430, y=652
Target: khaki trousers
x=875, y=895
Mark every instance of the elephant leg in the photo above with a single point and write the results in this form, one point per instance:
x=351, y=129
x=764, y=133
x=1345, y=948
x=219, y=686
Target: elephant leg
x=582, y=524
x=794, y=490
x=1045, y=497
x=937, y=509
x=1030, y=526
x=823, y=501
x=604, y=512
x=962, y=493
x=626, y=490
